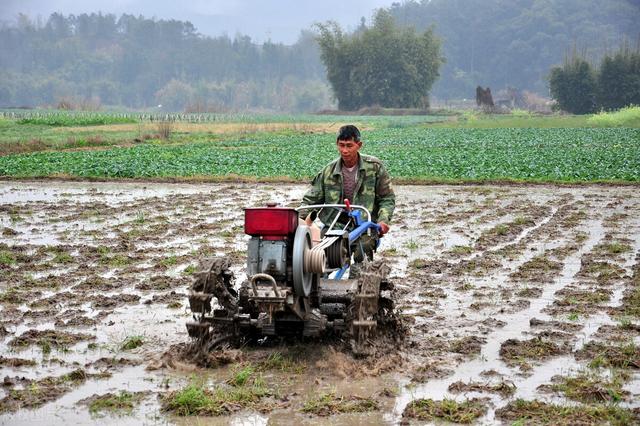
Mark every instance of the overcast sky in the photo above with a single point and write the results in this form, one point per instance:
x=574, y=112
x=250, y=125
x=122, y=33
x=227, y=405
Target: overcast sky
x=279, y=20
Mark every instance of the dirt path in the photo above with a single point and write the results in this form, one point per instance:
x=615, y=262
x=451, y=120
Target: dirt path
x=519, y=300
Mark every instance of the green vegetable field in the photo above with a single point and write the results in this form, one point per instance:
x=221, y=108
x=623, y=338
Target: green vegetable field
x=412, y=154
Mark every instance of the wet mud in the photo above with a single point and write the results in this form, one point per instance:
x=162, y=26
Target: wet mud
x=516, y=302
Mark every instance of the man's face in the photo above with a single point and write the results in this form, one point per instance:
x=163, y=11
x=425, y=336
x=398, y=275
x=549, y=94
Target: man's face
x=349, y=150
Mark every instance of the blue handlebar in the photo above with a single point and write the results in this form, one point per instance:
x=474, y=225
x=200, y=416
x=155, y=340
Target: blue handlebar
x=361, y=226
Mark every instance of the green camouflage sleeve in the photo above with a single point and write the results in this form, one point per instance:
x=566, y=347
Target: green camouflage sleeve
x=385, y=197
x=315, y=194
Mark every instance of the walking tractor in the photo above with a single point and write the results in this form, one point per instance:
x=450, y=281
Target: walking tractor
x=296, y=283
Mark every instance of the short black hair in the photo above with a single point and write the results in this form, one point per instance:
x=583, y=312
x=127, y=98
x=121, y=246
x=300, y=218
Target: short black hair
x=348, y=133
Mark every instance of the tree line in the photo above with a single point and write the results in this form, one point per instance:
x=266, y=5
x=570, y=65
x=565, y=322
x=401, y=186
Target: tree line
x=582, y=88
x=139, y=62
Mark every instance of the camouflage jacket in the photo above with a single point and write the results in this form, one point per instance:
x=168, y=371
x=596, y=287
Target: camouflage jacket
x=373, y=189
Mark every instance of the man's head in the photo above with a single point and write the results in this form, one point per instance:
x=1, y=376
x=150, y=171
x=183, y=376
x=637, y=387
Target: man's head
x=348, y=143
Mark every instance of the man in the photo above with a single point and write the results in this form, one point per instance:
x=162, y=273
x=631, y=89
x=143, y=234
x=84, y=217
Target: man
x=362, y=179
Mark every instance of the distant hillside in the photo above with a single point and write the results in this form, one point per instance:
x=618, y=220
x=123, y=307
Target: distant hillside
x=503, y=43
x=136, y=62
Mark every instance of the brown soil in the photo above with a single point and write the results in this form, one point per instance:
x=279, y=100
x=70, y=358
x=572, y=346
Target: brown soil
x=539, y=270
x=162, y=282
x=505, y=389
x=427, y=372
x=618, y=333
x=54, y=338
x=470, y=345
x=541, y=413
x=563, y=326
x=37, y=393
x=447, y=410
x=623, y=356
x=16, y=362
x=513, y=350
x=106, y=302
x=88, y=256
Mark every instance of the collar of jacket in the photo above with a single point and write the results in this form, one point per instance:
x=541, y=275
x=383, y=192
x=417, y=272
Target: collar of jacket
x=337, y=169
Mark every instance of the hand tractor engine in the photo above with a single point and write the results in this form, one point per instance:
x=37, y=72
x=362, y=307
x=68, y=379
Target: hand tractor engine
x=295, y=284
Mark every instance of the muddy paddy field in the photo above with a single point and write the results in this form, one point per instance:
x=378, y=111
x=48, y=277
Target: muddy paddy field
x=520, y=304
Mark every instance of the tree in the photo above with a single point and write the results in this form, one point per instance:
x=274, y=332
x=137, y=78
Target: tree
x=619, y=79
x=573, y=86
x=580, y=89
x=382, y=65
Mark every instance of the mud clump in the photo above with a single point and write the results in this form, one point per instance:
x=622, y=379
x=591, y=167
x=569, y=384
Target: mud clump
x=344, y=365
x=513, y=350
x=16, y=362
x=57, y=300
x=105, y=302
x=541, y=413
x=435, y=266
x=448, y=410
x=36, y=393
x=588, y=388
x=188, y=357
x=15, y=296
x=493, y=323
x=540, y=269
x=113, y=403
x=503, y=232
x=564, y=326
x=618, y=333
x=327, y=404
x=49, y=338
x=166, y=298
x=429, y=371
x=589, y=298
x=600, y=354
x=530, y=293
x=9, y=232
x=76, y=321
x=504, y=389
x=630, y=305
x=161, y=282
x=95, y=284
x=479, y=266
x=44, y=315
x=11, y=316
x=613, y=248
x=105, y=363
x=603, y=272
x=470, y=345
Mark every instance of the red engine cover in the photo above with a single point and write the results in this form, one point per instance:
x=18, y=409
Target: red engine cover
x=270, y=221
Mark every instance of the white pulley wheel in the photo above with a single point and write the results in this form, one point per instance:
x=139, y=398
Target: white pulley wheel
x=302, y=280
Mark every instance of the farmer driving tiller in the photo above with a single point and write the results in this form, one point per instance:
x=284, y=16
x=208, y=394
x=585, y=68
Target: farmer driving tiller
x=298, y=258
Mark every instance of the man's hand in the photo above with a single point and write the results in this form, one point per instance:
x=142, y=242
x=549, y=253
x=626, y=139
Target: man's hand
x=384, y=228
